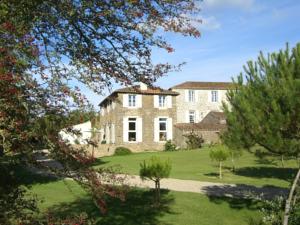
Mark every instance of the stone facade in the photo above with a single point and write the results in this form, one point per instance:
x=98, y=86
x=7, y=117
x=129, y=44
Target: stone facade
x=201, y=105
x=116, y=115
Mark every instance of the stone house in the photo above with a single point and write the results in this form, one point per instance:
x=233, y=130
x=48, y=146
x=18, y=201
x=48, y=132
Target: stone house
x=144, y=118
x=137, y=117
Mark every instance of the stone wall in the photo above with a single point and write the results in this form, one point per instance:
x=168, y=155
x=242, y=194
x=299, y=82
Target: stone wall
x=209, y=136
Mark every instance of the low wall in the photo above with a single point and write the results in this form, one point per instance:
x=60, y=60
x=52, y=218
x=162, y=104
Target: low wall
x=209, y=136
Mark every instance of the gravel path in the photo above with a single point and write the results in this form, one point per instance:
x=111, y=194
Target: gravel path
x=211, y=189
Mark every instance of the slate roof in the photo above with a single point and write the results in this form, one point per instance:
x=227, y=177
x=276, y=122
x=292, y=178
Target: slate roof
x=204, y=85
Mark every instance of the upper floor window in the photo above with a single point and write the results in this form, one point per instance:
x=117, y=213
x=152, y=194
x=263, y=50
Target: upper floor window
x=214, y=96
x=192, y=116
x=162, y=99
x=132, y=129
x=132, y=100
x=191, y=96
x=162, y=129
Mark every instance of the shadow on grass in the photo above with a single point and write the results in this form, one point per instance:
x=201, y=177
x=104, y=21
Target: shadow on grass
x=26, y=177
x=268, y=161
x=237, y=203
x=267, y=172
x=99, y=162
x=138, y=209
x=245, y=192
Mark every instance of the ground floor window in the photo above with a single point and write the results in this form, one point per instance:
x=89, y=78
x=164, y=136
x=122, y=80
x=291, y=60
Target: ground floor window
x=132, y=129
x=162, y=129
x=192, y=116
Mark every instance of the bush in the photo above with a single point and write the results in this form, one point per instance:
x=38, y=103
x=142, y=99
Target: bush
x=103, y=142
x=122, y=151
x=193, y=140
x=169, y=146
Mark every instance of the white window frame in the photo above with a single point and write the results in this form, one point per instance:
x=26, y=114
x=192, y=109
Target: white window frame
x=130, y=120
x=191, y=95
x=162, y=101
x=132, y=103
x=214, y=96
x=165, y=121
x=192, y=116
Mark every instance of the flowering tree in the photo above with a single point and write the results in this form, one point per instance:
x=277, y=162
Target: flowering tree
x=46, y=48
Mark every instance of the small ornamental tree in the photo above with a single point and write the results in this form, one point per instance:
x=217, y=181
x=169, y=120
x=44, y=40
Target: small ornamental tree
x=155, y=170
x=219, y=154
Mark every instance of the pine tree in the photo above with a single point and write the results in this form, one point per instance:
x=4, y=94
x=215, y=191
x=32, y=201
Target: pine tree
x=265, y=105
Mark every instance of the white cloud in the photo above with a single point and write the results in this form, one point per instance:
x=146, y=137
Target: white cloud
x=209, y=23
x=242, y=4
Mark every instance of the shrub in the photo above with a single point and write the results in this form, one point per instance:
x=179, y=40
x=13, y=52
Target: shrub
x=193, y=140
x=122, y=151
x=169, y=146
x=155, y=169
x=103, y=142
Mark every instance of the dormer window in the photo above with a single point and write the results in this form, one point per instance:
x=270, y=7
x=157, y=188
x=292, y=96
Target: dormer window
x=214, y=96
x=162, y=101
x=132, y=100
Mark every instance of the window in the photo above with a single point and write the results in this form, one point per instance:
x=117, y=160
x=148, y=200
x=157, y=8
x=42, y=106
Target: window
x=162, y=101
x=214, y=96
x=192, y=116
x=191, y=96
x=131, y=100
x=162, y=129
x=131, y=129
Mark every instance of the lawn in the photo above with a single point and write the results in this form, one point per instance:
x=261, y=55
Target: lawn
x=178, y=208
x=196, y=165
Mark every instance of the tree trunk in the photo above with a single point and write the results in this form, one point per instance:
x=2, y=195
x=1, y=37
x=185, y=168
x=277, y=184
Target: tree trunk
x=282, y=161
x=220, y=170
x=232, y=161
x=158, y=191
x=289, y=200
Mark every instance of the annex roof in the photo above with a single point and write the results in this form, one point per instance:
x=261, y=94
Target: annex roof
x=204, y=85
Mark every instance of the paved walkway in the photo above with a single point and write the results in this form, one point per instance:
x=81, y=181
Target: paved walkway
x=211, y=189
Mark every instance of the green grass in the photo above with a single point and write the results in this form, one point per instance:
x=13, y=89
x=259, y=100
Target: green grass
x=196, y=165
x=177, y=208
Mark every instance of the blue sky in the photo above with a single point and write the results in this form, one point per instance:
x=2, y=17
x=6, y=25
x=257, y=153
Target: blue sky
x=232, y=32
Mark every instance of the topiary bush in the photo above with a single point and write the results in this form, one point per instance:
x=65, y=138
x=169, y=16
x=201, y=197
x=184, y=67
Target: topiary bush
x=122, y=151
x=193, y=140
x=169, y=146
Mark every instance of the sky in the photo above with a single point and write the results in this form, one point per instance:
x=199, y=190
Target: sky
x=232, y=33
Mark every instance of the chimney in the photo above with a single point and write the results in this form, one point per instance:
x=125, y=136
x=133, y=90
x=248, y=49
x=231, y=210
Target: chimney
x=143, y=86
